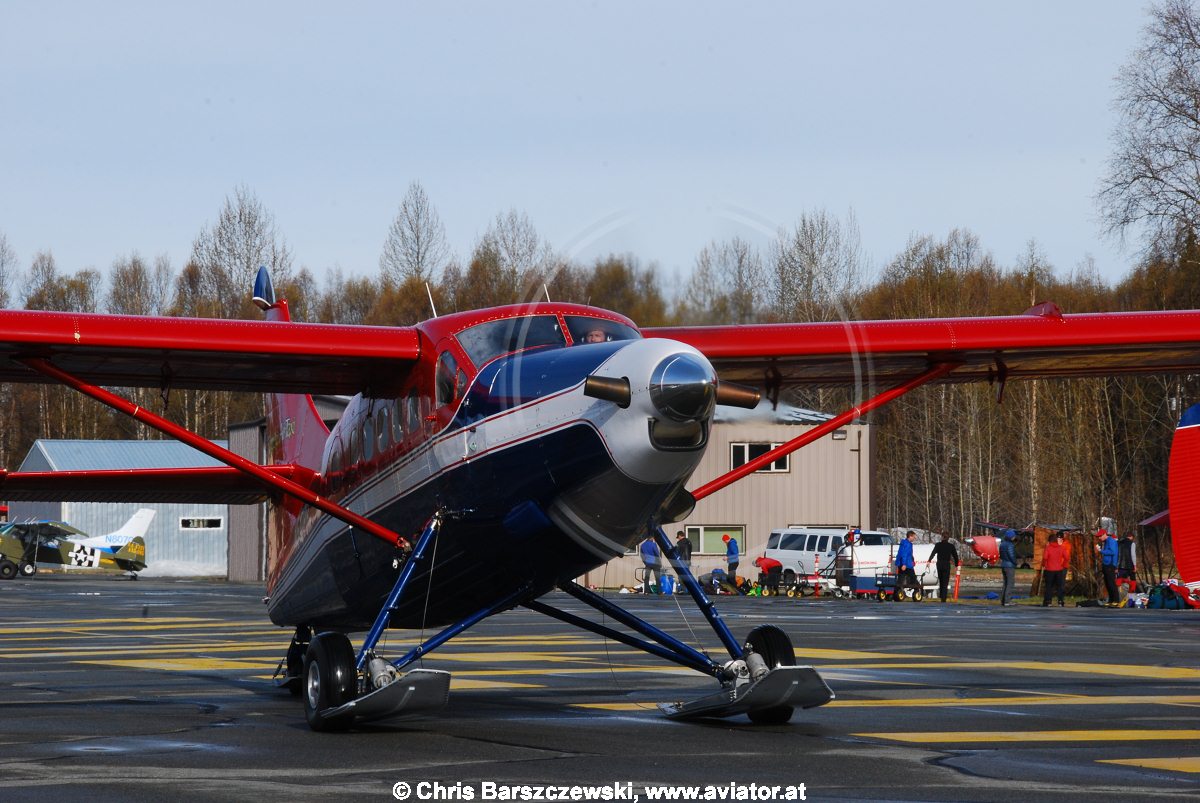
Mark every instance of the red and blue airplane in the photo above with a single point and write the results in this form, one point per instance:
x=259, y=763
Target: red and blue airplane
x=489, y=457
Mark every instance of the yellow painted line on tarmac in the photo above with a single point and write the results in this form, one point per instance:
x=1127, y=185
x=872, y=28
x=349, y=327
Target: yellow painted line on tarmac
x=466, y=684
x=182, y=664
x=60, y=624
x=118, y=650
x=1122, y=670
x=1065, y=699
x=974, y=737
x=600, y=670
x=513, y=657
x=1181, y=764
x=618, y=706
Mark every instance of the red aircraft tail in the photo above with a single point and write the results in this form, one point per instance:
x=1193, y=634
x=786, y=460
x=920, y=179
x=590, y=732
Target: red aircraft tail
x=1183, y=493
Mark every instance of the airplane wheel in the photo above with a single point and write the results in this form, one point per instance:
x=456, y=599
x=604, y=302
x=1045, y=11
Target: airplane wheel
x=330, y=680
x=8, y=570
x=776, y=650
x=28, y=569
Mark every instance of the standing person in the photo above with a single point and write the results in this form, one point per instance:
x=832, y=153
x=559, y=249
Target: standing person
x=683, y=548
x=1054, y=570
x=1127, y=561
x=906, y=567
x=652, y=561
x=1110, y=555
x=947, y=558
x=1008, y=564
x=731, y=557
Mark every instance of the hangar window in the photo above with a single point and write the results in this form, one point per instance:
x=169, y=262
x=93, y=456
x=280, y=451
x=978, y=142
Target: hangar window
x=707, y=539
x=201, y=524
x=742, y=453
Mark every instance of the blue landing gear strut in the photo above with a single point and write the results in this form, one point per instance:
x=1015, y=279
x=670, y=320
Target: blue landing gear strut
x=760, y=679
x=385, y=690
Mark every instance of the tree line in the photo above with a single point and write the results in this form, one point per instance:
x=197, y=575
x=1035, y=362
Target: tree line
x=1053, y=451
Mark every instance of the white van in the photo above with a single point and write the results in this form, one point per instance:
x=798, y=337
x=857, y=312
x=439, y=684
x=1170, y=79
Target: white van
x=800, y=548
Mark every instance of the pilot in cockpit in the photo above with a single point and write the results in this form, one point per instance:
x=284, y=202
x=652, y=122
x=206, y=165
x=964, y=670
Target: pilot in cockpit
x=594, y=335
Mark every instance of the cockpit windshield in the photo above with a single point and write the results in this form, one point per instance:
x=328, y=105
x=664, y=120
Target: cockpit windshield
x=486, y=341
x=598, y=330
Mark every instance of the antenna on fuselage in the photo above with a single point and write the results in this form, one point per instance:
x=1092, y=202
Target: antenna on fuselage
x=429, y=293
x=546, y=290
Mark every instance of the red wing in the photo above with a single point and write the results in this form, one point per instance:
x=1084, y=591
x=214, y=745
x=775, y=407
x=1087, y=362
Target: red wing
x=207, y=485
x=265, y=356
x=1039, y=343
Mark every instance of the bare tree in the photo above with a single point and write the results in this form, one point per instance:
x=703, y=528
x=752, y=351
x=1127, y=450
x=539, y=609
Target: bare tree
x=522, y=257
x=228, y=255
x=727, y=285
x=8, y=268
x=1153, y=178
x=137, y=289
x=416, y=244
x=816, y=268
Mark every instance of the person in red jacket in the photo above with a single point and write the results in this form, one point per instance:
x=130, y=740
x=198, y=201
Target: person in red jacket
x=1054, y=570
x=771, y=571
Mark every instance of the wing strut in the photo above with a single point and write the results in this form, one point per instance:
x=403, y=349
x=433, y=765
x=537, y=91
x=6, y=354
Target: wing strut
x=260, y=473
x=857, y=411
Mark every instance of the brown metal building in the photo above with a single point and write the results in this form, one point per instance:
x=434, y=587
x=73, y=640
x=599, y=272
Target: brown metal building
x=828, y=482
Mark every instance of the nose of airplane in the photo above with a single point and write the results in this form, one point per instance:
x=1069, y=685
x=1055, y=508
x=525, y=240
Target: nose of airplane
x=683, y=387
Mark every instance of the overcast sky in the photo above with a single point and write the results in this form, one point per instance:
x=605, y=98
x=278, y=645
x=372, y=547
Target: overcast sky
x=649, y=128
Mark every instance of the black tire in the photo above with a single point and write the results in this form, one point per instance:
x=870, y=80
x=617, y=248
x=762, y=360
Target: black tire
x=8, y=570
x=776, y=650
x=27, y=569
x=880, y=595
x=330, y=680
x=918, y=595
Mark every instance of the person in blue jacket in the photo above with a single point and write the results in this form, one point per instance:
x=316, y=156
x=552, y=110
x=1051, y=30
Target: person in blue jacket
x=1110, y=556
x=731, y=556
x=906, y=566
x=652, y=560
x=1008, y=564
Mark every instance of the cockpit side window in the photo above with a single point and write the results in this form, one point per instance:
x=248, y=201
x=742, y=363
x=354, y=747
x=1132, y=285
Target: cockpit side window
x=586, y=329
x=447, y=378
x=486, y=341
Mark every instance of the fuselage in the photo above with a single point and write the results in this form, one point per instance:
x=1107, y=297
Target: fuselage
x=539, y=481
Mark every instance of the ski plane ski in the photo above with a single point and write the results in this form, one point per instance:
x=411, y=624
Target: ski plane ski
x=25, y=544
x=489, y=457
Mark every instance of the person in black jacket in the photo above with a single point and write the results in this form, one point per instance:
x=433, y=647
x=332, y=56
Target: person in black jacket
x=947, y=558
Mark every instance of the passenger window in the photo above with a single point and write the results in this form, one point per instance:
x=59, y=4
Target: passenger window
x=773, y=541
x=823, y=544
x=383, y=428
x=414, y=411
x=812, y=544
x=837, y=543
x=368, y=444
